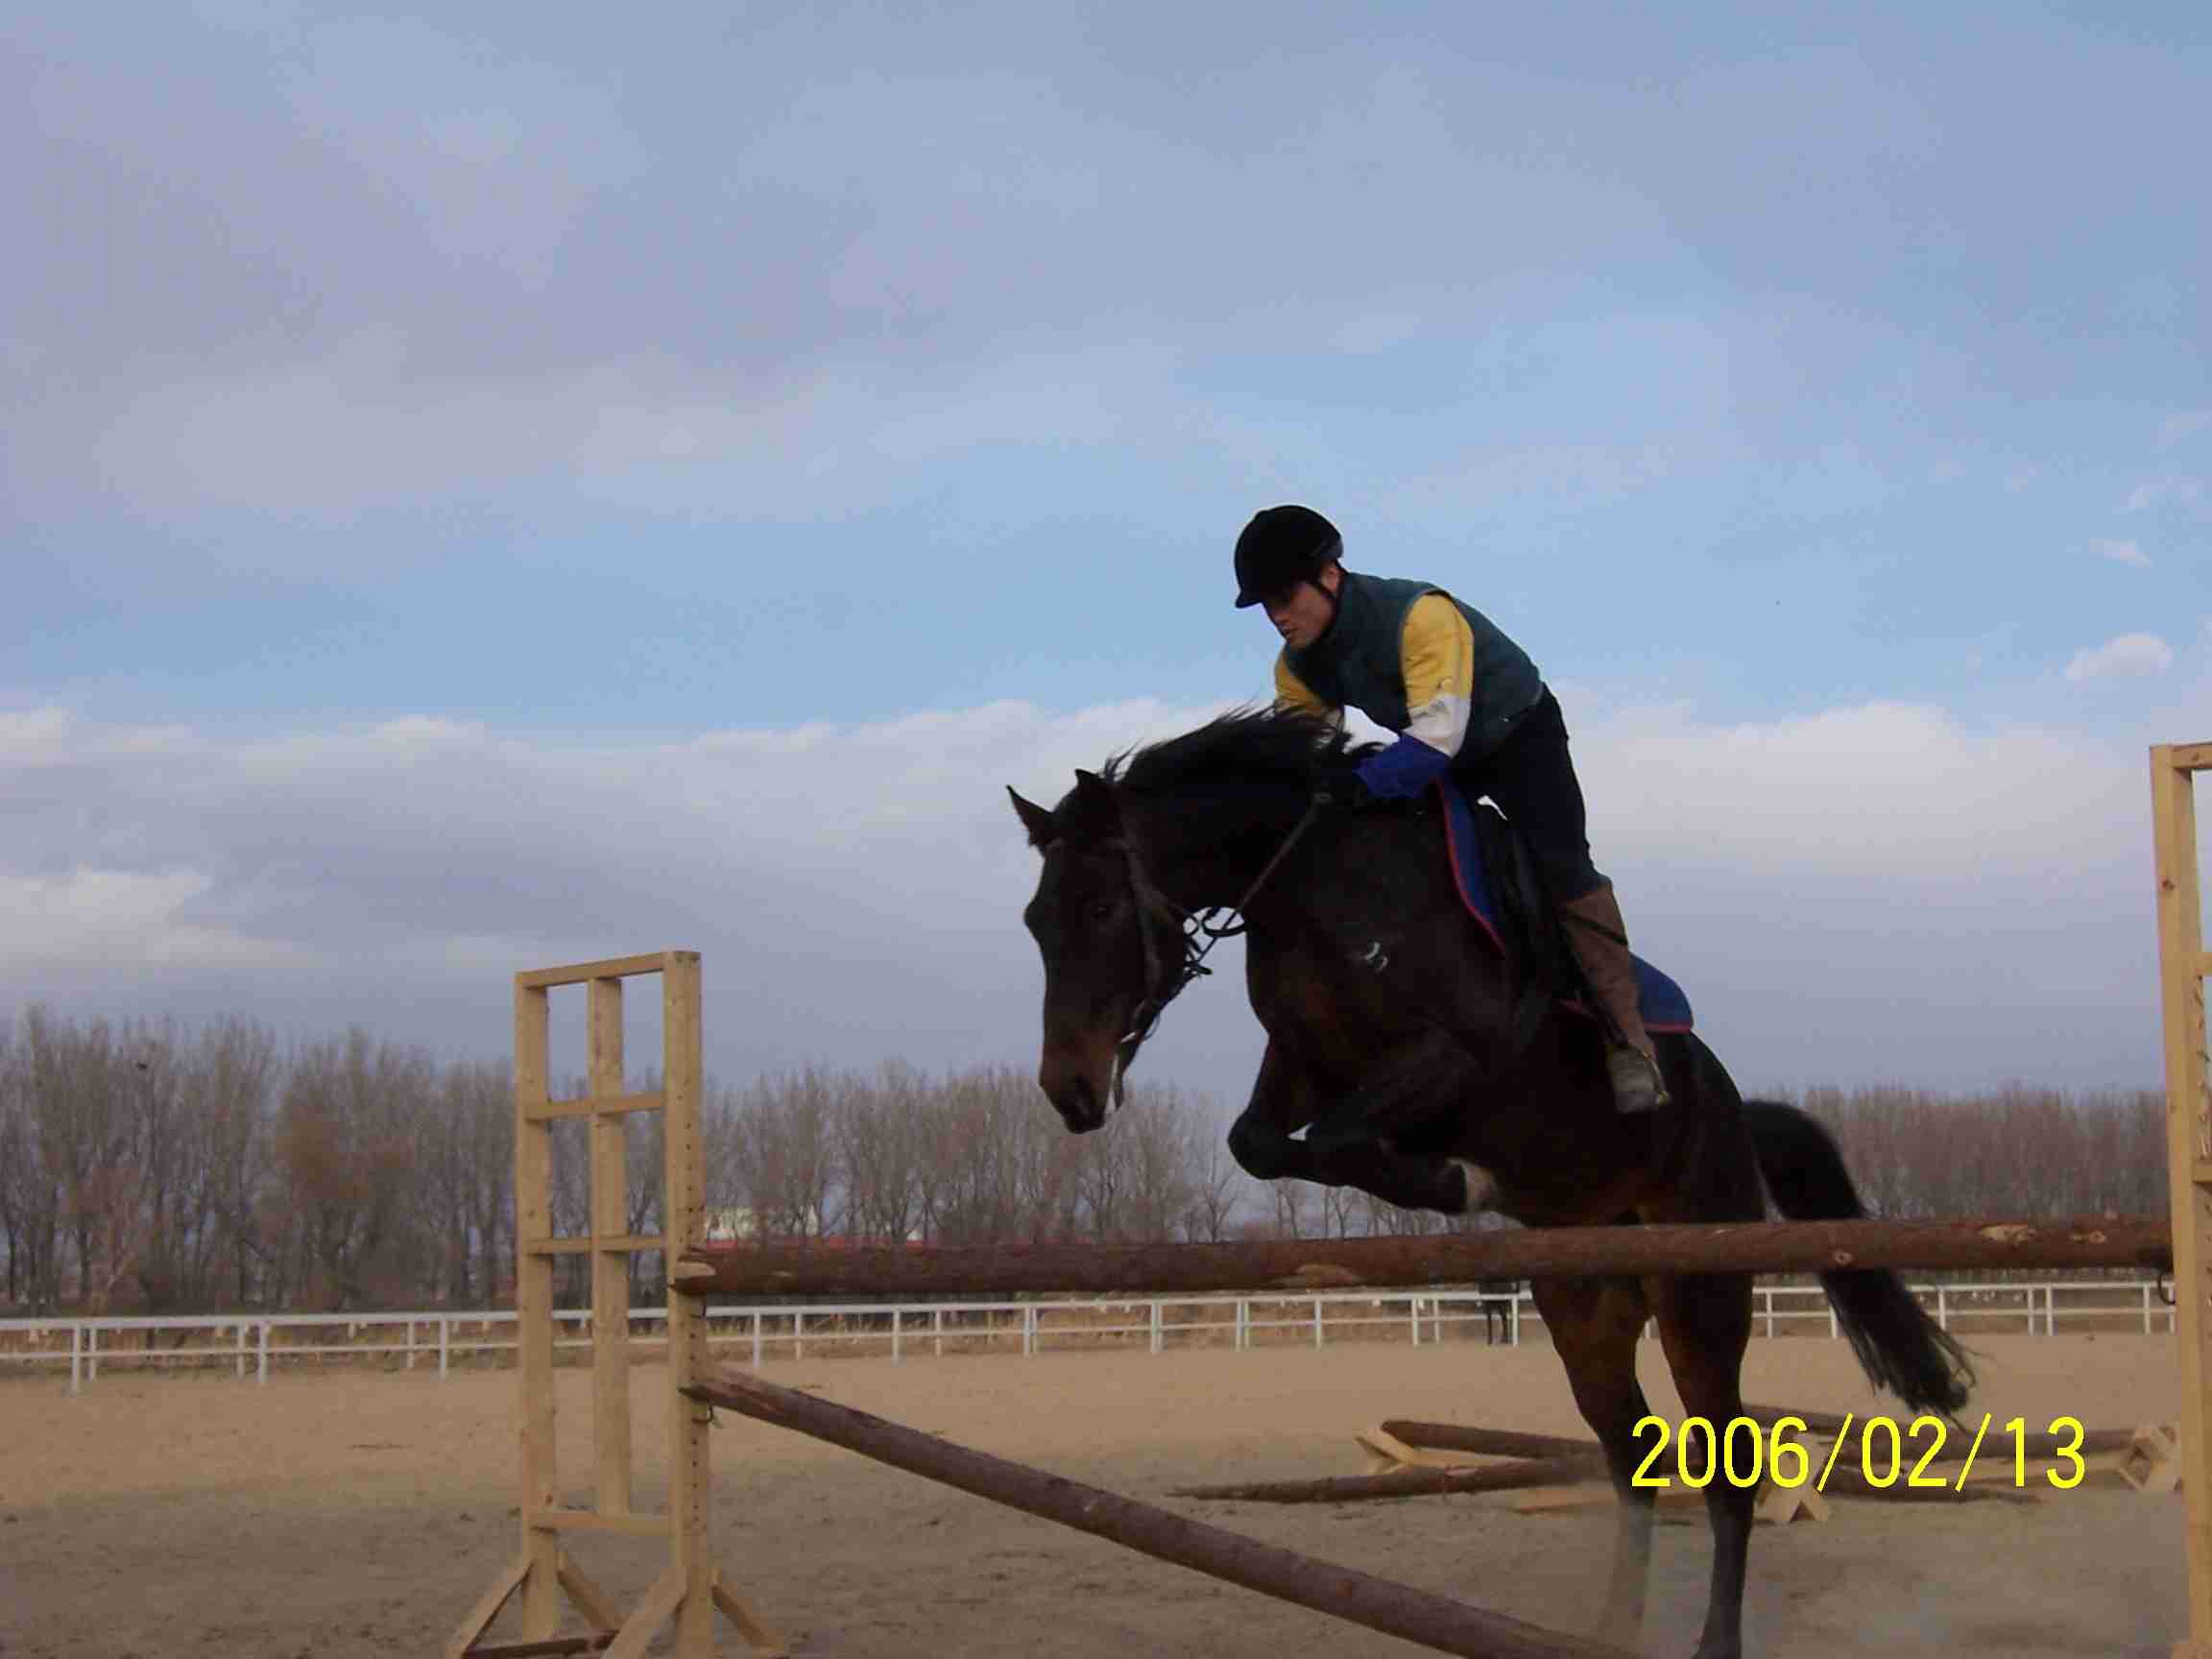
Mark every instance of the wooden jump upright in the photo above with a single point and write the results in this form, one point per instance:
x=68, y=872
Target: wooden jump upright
x=2182, y=967
x=688, y=1589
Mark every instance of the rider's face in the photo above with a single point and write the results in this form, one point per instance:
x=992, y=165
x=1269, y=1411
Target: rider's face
x=1302, y=614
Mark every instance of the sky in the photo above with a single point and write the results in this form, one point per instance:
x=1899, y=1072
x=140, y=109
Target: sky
x=484, y=491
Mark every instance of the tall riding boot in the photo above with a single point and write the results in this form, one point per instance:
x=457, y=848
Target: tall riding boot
x=1600, y=941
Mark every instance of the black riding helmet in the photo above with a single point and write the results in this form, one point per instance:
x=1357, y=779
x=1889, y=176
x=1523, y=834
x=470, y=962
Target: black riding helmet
x=1281, y=547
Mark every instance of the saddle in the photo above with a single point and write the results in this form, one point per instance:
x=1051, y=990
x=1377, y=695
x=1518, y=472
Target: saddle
x=1502, y=888
x=1527, y=926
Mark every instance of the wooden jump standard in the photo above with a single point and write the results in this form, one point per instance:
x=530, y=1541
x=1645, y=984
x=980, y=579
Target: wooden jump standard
x=1439, y=1258
x=2182, y=967
x=689, y=1590
x=1433, y=1620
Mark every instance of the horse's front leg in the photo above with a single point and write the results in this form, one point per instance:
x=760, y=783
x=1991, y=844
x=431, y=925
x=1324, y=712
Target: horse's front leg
x=1283, y=1103
x=1423, y=1089
x=1349, y=1146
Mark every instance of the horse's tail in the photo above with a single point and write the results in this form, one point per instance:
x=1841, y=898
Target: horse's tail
x=1899, y=1347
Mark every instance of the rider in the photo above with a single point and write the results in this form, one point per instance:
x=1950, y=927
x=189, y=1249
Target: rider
x=1462, y=697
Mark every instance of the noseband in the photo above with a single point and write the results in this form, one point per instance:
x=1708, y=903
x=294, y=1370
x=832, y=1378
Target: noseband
x=1197, y=932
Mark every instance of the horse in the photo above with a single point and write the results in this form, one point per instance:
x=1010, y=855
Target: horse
x=1497, y=1317
x=1393, y=1043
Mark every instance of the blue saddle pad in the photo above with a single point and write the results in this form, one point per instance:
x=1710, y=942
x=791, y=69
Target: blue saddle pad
x=1664, y=1004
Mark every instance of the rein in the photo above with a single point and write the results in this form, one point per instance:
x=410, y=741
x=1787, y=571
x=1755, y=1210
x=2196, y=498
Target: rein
x=1199, y=932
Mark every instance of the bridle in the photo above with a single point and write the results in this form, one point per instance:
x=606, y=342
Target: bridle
x=1197, y=930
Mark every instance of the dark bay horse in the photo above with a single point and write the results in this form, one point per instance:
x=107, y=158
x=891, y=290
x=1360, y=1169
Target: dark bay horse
x=1497, y=1317
x=1392, y=1043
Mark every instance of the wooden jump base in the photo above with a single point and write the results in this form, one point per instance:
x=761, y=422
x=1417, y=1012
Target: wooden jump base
x=1341, y=1592
x=1293, y=1265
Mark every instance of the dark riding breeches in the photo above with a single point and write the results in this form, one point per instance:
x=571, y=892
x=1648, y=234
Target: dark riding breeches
x=1532, y=777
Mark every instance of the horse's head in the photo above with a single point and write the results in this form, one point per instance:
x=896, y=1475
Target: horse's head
x=1090, y=930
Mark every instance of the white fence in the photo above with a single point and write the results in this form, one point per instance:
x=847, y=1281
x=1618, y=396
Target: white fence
x=1160, y=1324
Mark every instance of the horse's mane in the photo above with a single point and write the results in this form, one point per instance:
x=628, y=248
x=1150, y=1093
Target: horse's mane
x=1249, y=745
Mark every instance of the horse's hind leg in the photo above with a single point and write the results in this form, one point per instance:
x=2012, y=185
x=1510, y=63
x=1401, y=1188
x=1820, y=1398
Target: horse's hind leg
x=1595, y=1323
x=1704, y=1325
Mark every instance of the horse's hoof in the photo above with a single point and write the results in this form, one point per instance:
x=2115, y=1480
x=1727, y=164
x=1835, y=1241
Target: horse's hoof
x=1482, y=1190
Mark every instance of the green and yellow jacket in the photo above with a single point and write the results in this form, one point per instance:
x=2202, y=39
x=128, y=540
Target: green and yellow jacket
x=1416, y=662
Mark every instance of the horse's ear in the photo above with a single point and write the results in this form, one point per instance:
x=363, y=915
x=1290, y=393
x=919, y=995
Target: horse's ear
x=1034, y=818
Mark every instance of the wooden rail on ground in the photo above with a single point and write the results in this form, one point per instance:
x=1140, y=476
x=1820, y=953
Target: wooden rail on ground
x=1293, y=1265
x=1514, y=1475
x=1341, y=1592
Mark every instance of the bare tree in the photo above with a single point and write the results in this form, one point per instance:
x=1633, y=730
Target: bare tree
x=1293, y=1204
x=1157, y=1128
x=87, y=1139
x=1216, y=1190
x=466, y=1169
x=29, y=1197
x=345, y=1142
x=969, y=1167
x=145, y=1166
x=785, y=1152
x=881, y=1129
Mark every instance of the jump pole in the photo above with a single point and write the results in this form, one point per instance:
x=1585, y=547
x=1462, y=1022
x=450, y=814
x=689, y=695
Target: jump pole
x=689, y=1589
x=1436, y=1622
x=2182, y=967
x=1292, y=1266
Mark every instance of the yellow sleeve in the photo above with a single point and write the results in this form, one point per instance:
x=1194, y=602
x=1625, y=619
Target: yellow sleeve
x=1437, y=657
x=1292, y=693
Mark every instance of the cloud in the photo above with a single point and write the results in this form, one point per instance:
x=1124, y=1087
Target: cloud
x=1877, y=891
x=2186, y=423
x=2123, y=656
x=83, y=913
x=2125, y=553
x=2162, y=492
x=363, y=433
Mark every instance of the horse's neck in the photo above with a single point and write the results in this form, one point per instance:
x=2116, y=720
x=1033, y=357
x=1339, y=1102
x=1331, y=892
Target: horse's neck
x=1213, y=864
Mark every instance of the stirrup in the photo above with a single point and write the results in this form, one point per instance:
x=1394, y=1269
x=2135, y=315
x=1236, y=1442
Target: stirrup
x=1638, y=1084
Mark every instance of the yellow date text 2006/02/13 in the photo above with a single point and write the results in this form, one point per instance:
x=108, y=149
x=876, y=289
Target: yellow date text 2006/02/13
x=1746, y=1451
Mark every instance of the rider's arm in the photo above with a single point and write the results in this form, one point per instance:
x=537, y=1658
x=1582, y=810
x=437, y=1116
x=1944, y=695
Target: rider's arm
x=1437, y=657
x=1294, y=695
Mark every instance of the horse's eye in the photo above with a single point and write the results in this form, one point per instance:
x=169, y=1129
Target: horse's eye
x=1100, y=909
